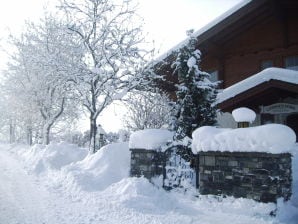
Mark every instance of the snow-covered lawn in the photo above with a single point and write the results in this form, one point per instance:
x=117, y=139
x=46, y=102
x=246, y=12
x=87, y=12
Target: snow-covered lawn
x=63, y=184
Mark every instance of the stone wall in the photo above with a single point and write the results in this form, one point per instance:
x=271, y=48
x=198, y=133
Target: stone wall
x=259, y=176
x=147, y=163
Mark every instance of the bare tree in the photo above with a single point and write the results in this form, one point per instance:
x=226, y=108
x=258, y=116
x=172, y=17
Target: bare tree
x=147, y=110
x=113, y=57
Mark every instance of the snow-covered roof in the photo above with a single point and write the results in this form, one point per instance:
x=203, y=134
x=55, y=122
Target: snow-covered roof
x=266, y=75
x=150, y=139
x=270, y=138
x=203, y=29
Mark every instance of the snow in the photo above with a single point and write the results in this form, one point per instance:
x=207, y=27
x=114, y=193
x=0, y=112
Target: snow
x=100, y=130
x=191, y=62
x=98, y=171
x=56, y=197
x=270, y=138
x=150, y=139
x=244, y=114
x=266, y=75
x=54, y=156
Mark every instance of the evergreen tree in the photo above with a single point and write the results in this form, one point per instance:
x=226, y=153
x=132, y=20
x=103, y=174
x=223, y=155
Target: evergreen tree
x=196, y=94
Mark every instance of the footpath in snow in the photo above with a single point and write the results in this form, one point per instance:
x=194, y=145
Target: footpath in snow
x=63, y=184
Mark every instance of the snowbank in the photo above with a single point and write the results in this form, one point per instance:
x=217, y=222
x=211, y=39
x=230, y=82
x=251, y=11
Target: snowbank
x=150, y=139
x=40, y=158
x=271, y=138
x=98, y=171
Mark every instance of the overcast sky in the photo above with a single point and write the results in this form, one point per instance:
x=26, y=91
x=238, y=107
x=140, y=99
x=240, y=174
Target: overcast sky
x=166, y=21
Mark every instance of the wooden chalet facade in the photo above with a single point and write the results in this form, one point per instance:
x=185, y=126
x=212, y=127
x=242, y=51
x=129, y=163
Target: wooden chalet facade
x=252, y=37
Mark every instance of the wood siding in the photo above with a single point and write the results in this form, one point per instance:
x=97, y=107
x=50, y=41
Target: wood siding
x=242, y=54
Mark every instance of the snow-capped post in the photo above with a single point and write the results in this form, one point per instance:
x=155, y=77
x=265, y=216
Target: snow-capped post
x=243, y=116
x=100, y=136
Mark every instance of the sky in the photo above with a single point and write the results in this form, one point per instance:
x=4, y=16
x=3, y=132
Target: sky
x=166, y=22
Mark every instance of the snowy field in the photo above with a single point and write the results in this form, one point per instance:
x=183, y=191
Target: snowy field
x=63, y=184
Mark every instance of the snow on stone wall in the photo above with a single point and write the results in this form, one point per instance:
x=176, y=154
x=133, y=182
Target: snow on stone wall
x=150, y=139
x=271, y=138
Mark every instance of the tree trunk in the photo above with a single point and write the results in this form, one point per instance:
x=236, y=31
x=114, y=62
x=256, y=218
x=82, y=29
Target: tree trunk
x=46, y=135
x=93, y=131
x=12, y=134
x=29, y=135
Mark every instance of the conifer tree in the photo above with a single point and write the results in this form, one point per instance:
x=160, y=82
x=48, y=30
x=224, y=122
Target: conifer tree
x=196, y=94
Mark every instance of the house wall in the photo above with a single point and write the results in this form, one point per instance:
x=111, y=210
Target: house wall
x=242, y=55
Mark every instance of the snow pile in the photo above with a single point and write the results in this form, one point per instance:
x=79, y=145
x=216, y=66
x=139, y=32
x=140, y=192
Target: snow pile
x=271, y=138
x=244, y=114
x=139, y=194
x=150, y=139
x=266, y=75
x=97, y=171
x=40, y=158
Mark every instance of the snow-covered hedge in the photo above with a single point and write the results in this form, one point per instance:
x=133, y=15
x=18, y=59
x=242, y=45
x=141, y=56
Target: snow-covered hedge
x=271, y=138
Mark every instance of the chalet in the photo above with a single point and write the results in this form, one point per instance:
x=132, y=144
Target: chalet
x=253, y=50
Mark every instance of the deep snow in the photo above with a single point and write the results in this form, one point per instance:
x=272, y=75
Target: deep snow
x=38, y=187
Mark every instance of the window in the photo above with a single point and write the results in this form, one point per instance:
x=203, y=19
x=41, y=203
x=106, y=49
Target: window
x=266, y=64
x=291, y=63
x=213, y=76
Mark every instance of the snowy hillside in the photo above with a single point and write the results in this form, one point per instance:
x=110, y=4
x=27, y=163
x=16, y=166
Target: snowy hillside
x=64, y=184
